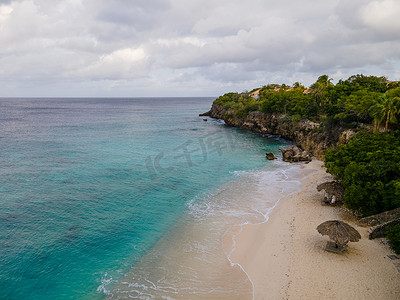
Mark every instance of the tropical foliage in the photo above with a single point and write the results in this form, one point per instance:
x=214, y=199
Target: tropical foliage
x=359, y=99
x=393, y=235
x=368, y=167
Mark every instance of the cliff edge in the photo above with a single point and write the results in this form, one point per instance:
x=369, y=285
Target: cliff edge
x=308, y=135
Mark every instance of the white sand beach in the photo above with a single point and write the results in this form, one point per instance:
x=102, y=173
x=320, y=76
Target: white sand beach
x=285, y=259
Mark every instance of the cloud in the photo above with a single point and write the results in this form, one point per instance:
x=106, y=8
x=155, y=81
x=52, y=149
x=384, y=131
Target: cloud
x=95, y=46
x=4, y=2
x=383, y=17
x=120, y=64
x=139, y=14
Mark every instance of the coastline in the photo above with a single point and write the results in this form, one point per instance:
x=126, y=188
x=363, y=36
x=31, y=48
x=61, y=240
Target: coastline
x=277, y=255
x=192, y=261
x=284, y=257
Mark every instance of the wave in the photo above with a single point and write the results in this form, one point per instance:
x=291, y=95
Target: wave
x=193, y=259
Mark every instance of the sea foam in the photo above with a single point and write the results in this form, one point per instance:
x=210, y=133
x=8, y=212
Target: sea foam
x=192, y=260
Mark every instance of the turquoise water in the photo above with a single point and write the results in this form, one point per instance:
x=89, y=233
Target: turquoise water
x=88, y=186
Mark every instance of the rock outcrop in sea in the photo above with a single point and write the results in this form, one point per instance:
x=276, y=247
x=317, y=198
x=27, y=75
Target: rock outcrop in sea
x=270, y=156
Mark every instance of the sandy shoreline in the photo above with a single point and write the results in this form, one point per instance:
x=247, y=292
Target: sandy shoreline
x=284, y=257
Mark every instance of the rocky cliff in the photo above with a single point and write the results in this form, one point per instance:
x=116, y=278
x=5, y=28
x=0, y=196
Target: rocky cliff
x=306, y=134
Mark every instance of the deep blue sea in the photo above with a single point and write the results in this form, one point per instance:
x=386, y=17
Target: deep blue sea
x=89, y=187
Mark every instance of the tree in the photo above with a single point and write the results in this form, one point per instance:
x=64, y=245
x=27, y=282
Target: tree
x=373, y=83
x=386, y=108
x=325, y=80
x=393, y=106
x=284, y=87
x=271, y=86
x=318, y=88
x=368, y=167
x=393, y=235
x=297, y=86
x=358, y=105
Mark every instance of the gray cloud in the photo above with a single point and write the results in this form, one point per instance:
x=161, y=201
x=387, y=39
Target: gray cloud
x=156, y=47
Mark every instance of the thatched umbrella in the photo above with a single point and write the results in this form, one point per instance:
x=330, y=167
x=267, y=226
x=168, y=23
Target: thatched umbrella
x=332, y=188
x=339, y=231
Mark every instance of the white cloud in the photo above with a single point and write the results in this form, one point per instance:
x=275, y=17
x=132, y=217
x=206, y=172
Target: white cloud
x=120, y=64
x=177, y=42
x=5, y=10
x=126, y=56
x=383, y=16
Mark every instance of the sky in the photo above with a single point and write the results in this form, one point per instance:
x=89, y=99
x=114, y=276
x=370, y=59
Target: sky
x=144, y=48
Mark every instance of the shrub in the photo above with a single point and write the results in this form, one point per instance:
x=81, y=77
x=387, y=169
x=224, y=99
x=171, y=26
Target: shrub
x=393, y=235
x=241, y=113
x=296, y=119
x=369, y=169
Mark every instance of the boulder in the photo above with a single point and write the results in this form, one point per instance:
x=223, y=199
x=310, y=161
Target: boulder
x=380, y=222
x=380, y=230
x=384, y=217
x=270, y=156
x=295, y=154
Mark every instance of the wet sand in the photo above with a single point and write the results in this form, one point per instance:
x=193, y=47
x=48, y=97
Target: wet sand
x=284, y=257
x=192, y=261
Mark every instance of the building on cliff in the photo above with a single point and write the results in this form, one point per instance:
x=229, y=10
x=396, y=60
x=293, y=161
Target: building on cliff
x=255, y=94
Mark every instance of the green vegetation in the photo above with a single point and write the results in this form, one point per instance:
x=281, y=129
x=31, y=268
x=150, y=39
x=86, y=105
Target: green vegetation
x=368, y=167
x=359, y=99
x=290, y=102
x=393, y=235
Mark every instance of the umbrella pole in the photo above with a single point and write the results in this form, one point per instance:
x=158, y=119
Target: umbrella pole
x=335, y=247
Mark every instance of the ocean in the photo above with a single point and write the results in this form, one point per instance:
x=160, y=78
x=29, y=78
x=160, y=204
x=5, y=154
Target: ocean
x=129, y=198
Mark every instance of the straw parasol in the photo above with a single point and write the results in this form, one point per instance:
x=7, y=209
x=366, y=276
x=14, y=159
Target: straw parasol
x=332, y=188
x=339, y=231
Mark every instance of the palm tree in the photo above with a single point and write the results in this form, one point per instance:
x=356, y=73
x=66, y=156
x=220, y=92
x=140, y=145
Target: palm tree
x=385, y=109
x=318, y=88
x=297, y=86
x=377, y=112
x=394, y=95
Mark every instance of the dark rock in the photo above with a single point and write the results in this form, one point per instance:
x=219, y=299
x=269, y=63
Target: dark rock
x=381, y=221
x=270, y=156
x=206, y=114
x=205, y=120
x=380, y=230
x=381, y=218
x=295, y=154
